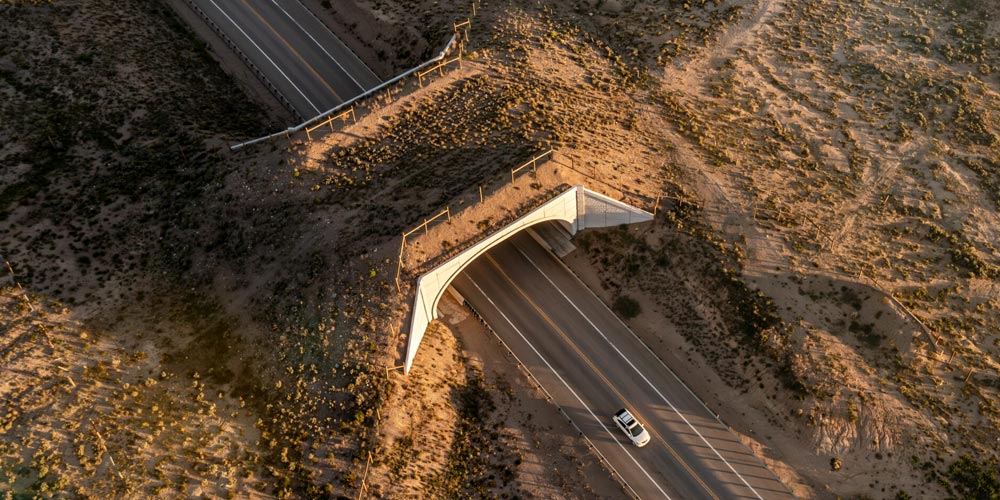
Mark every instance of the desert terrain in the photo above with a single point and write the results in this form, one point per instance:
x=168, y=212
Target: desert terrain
x=181, y=320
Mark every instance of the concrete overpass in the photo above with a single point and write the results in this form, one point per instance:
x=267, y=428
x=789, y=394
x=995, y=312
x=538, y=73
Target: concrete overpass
x=578, y=208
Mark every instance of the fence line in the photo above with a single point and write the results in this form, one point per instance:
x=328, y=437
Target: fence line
x=402, y=244
x=350, y=102
x=533, y=163
x=467, y=24
x=330, y=120
x=548, y=155
x=439, y=67
x=364, y=486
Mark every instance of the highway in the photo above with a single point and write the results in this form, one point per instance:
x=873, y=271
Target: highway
x=297, y=53
x=592, y=365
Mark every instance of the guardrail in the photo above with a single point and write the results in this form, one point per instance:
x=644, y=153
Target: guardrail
x=246, y=60
x=350, y=102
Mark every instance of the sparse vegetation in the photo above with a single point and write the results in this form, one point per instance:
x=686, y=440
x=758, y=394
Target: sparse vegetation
x=974, y=479
x=473, y=468
x=827, y=246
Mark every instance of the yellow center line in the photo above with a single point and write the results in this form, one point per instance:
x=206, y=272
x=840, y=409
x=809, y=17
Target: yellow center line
x=311, y=69
x=599, y=373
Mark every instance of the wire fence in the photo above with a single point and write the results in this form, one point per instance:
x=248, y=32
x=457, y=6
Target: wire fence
x=538, y=162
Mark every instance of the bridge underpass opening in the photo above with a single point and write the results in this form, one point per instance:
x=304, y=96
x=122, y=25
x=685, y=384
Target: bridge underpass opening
x=576, y=209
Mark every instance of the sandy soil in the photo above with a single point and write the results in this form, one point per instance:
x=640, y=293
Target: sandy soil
x=534, y=439
x=829, y=178
x=833, y=387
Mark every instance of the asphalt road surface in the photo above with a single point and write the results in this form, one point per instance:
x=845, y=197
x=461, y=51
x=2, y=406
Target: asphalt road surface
x=308, y=64
x=593, y=365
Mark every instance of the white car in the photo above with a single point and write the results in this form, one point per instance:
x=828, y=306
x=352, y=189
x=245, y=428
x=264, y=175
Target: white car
x=631, y=427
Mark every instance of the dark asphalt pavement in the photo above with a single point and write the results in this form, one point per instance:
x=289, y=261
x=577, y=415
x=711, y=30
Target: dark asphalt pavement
x=298, y=54
x=592, y=365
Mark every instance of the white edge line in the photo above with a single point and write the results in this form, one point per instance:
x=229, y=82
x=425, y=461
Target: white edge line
x=265, y=55
x=352, y=100
x=650, y=384
x=321, y=47
x=554, y=372
x=341, y=42
x=667, y=368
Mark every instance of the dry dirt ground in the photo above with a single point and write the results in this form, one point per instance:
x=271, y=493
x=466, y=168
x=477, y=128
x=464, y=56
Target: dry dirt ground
x=199, y=322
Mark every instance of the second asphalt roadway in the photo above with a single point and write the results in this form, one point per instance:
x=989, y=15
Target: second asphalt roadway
x=297, y=53
x=592, y=365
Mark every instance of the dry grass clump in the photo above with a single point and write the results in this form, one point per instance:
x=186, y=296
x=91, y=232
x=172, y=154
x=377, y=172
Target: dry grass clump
x=838, y=160
x=83, y=415
x=857, y=144
x=453, y=445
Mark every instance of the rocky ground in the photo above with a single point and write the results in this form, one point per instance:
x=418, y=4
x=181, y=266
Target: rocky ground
x=183, y=320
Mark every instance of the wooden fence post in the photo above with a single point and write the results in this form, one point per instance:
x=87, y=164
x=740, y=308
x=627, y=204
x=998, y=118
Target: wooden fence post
x=365, y=476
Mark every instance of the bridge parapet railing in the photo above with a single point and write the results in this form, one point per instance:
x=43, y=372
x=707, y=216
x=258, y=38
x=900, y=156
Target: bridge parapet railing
x=448, y=233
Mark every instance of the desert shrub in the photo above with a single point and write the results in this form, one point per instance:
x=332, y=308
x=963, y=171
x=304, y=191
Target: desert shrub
x=478, y=462
x=975, y=480
x=757, y=315
x=626, y=307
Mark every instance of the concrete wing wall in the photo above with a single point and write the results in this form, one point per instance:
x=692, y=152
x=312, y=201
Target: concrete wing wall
x=598, y=210
x=579, y=207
